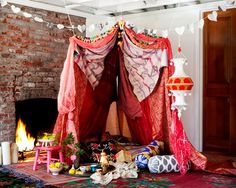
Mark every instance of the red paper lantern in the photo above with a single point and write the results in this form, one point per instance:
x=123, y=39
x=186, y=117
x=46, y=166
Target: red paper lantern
x=180, y=85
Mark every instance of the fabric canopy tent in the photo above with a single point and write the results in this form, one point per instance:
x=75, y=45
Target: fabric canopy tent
x=133, y=70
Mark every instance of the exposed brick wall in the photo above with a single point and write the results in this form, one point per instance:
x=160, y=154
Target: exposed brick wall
x=31, y=60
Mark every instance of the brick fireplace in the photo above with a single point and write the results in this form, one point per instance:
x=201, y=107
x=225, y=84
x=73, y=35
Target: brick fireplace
x=31, y=61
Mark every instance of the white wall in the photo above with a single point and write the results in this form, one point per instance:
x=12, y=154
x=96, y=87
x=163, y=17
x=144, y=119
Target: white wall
x=192, y=48
x=189, y=42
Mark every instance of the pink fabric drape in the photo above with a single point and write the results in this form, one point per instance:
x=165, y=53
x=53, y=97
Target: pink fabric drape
x=73, y=86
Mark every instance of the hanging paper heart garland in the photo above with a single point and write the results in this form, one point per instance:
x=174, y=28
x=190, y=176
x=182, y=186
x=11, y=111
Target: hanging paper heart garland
x=60, y=26
x=191, y=27
x=27, y=15
x=79, y=28
x=154, y=31
x=3, y=3
x=15, y=9
x=37, y=19
x=83, y=28
x=201, y=24
x=91, y=28
x=180, y=30
x=164, y=33
x=212, y=16
x=231, y=2
x=222, y=8
x=105, y=27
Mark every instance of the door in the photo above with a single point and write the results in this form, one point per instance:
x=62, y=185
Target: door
x=219, y=75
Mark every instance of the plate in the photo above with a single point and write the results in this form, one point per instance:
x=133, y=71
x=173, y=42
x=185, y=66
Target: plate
x=86, y=174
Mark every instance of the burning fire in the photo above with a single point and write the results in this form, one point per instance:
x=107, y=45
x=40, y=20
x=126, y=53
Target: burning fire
x=23, y=140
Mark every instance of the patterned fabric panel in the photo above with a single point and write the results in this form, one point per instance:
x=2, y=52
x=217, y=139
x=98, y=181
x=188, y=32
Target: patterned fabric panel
x=95, y=149
x=143, y=66
x=91, y=61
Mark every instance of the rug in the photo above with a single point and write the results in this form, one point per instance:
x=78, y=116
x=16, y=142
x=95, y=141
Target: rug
x=39, y=178
x=10, y=180
x=147, y=180
x=196, y=179
x=25, y=169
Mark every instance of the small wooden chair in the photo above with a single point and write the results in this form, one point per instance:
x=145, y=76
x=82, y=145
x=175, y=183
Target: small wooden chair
x=49, y=150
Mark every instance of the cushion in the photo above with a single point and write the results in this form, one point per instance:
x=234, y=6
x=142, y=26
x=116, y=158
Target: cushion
x=142, y=158
x=163, y=163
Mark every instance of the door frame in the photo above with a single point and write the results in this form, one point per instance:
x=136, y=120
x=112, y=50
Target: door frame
x=200, y=71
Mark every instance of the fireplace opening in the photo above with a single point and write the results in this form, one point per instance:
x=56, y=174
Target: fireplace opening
x=37, y=115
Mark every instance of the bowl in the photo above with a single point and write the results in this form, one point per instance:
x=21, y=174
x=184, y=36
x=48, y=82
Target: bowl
x=93, y=167
x=55, y=171
x=46, y=142
x=83, y=169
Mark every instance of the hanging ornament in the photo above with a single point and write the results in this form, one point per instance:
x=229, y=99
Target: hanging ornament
x=164, y=33
x=15, y=9
x=79, y=27
x=37, y=19
x=3, y=3
x=230, y=2
x=83, y=28
x=201, y=24
x=222, y=8
x=191, y=27
x=212, y=16
x=154, y=31
x=91, y=28
x=50, y=25
x=60, y=26
x=27, y=15
x=180, y=30
x=179, y=84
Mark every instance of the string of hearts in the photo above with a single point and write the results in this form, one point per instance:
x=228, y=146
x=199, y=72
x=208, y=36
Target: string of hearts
x=103, y=27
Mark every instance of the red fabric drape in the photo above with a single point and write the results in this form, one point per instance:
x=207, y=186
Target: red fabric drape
x=97, y=102
x=83, y=109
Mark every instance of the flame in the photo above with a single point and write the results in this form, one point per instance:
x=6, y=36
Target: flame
x=23, y=140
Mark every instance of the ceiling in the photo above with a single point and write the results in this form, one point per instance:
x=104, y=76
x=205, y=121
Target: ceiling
x=87, y=8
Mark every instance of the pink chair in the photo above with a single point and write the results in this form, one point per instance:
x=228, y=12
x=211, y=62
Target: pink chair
x=49, y=150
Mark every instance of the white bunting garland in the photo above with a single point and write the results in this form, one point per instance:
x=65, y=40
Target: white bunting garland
x=27, y=15
x=103, y=27
x=60, y=26
x=165, y=33
x=212, y=16
x=15, y=9
x=180, y=30
x=222, y=8
x=201, y=24
x=3, y=3
x=37, y=19
x=191, y=27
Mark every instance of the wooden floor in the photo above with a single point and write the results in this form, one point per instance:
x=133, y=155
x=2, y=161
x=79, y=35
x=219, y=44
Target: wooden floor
x=218, y=156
